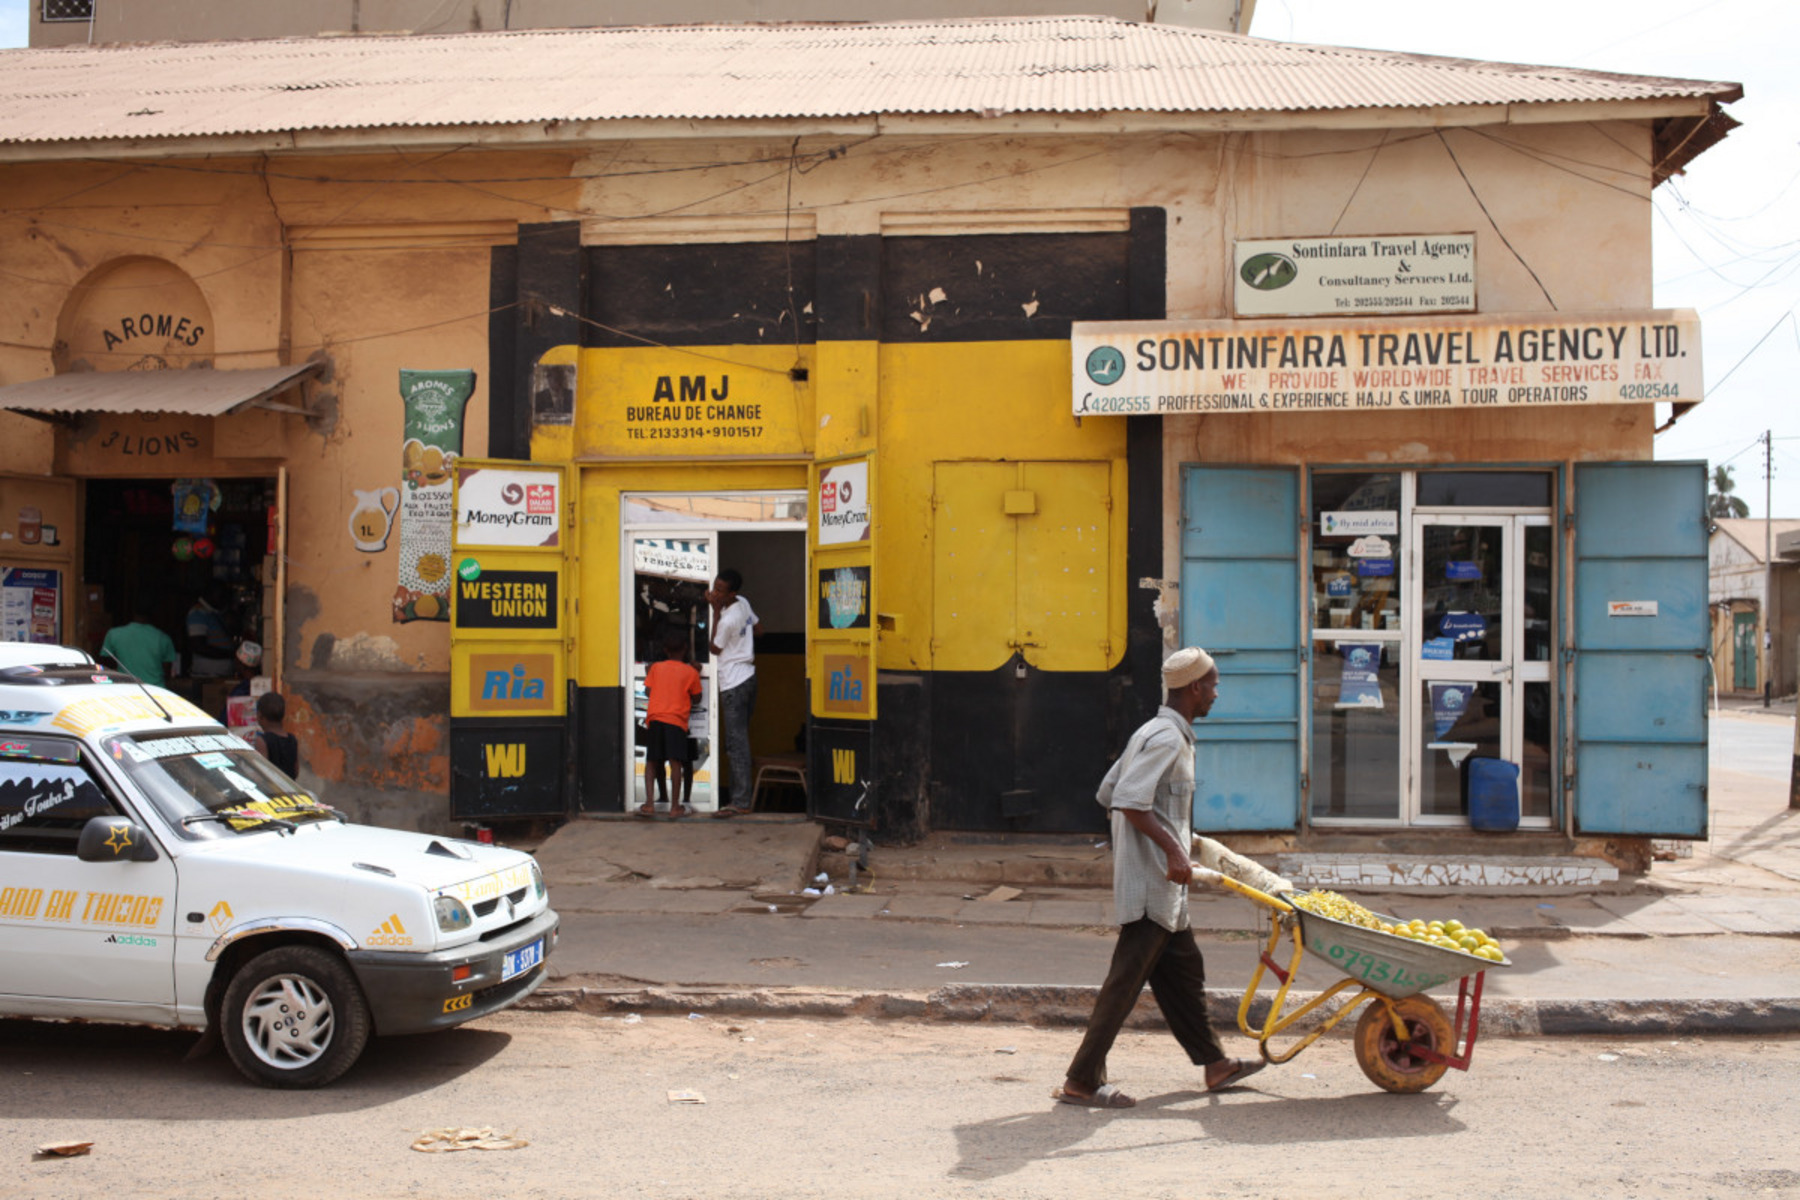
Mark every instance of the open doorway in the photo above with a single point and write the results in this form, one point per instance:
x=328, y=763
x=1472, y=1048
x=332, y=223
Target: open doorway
x=155, y=548
x=674, y=547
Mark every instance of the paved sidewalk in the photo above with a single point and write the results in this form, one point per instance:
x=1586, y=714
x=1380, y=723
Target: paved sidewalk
x=705, y=915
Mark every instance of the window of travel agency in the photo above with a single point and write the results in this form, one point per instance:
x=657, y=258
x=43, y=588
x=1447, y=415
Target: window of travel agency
x=1433, y=629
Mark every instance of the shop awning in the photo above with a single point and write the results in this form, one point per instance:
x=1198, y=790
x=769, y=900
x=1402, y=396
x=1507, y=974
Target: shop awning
x=207, y=393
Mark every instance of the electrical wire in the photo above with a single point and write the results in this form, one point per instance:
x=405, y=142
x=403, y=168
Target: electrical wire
x=1787, y=317
x=560, y=311
x=1504, y=240
x=1367, y=167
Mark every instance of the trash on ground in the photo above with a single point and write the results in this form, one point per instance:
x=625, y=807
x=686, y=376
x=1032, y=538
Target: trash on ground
x=64, y=1149
x=822, y=878
x=811, y=892
x=1607, y=1057
x=747, y=1038
x=633, y=1019
x=954, y=966
x=693, y=1016
x=443, y=1141
x=1006, y=1050
x=828, y=890
x=1003, y=893
x=684, y=1096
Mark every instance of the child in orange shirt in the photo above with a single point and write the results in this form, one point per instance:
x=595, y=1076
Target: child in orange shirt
x=672, y=685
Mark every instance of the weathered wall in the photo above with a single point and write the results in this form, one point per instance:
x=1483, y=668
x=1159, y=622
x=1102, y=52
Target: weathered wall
x=378, y=262
x=369, y=265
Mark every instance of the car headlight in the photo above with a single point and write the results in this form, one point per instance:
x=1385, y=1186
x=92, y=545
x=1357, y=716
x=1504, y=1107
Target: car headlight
x=537, y=880
x=452, y=914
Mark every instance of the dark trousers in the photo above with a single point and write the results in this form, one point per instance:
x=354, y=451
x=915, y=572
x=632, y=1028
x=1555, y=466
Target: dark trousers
x=1171, y=964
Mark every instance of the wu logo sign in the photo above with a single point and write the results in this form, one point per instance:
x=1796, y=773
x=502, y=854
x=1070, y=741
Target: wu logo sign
x=843, y=766
x=505, y=761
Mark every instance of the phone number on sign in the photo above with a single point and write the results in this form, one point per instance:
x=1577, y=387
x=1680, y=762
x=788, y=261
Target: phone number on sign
x=690, y=432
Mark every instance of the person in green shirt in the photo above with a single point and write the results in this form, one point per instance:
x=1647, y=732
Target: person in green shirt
x=141, y=648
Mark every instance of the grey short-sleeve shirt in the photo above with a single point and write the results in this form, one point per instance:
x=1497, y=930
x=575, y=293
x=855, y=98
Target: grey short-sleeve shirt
x=1156, y=775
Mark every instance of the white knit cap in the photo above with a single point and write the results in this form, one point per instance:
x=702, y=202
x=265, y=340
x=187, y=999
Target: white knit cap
x=1185, y=666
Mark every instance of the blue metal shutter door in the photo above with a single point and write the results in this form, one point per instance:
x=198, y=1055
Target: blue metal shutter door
x=1641, y=645
x=1240, y=599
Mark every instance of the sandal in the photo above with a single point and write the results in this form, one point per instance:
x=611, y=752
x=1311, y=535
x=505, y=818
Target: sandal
x=1241, y=1069
x=1105, y=1096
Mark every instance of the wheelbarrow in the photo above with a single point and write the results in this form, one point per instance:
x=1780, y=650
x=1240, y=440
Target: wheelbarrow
x=1404, y=1041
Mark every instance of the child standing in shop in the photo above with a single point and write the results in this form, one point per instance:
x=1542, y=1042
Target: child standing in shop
x=671, y=684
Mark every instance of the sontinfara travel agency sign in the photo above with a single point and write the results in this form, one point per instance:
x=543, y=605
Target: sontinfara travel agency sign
x=1408, y=274
x=1385, y=364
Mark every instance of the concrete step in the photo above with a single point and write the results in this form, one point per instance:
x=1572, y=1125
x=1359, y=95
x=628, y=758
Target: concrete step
x=1408, y=872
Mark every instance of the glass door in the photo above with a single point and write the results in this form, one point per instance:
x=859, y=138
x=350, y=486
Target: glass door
x=1481, y=648
x=670, y=572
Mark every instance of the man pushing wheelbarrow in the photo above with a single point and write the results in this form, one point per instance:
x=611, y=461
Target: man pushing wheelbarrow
x=1404, y=1041
x=1149, y=793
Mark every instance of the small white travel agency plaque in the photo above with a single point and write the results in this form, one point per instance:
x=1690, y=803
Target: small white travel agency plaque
x=1410, y=273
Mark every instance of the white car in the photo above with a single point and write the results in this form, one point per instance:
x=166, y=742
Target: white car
x=155, y=869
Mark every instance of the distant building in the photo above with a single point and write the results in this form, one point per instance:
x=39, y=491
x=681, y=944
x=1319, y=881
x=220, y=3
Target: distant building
x=1738, y=590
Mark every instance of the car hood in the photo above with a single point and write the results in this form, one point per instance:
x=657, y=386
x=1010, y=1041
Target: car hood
x=460, y=867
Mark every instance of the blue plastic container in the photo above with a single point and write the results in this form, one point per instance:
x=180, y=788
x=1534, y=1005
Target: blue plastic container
x=1493, y=785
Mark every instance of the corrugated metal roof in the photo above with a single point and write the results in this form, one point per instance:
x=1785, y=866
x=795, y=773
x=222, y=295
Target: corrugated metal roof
x=1751, y=532
x=719, y=72
x=204, y=392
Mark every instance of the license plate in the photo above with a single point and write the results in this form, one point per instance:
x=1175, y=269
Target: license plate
x=522, y=960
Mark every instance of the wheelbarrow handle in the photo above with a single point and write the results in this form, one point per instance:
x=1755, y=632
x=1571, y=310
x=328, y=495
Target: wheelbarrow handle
x=1206, y=875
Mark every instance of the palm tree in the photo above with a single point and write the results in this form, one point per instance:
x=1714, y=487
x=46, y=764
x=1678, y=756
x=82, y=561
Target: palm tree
x=1722, y=503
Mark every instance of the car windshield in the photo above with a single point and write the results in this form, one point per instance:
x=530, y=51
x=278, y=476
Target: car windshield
x=213, y=784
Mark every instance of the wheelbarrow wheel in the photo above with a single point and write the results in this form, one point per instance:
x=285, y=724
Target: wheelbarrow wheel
x=1389, y=1062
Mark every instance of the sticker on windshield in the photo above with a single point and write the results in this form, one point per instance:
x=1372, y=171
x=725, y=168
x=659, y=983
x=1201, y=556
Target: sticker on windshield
x=243, y=785
x=281, y=808
x=214, y=761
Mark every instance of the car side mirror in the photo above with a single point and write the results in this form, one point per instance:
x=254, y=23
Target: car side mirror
x=114, y=839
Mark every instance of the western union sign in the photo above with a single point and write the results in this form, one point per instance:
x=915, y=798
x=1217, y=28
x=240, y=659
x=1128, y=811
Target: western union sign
x=1385, y=364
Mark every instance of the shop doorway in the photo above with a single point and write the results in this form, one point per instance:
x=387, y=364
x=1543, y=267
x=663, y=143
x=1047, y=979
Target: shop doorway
x=1743, y=651
x=1434, y=635
x=672, y=548
x=1482, y=650
x=155, y=547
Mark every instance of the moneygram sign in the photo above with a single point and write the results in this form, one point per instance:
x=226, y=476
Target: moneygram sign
x=1385, y=364
x=504, y=507
x=843, y=504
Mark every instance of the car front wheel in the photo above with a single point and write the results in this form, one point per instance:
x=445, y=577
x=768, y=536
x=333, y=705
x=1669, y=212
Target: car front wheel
x=294, y=1017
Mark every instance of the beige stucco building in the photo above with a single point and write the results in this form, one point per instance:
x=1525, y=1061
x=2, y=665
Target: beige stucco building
x=697, y=272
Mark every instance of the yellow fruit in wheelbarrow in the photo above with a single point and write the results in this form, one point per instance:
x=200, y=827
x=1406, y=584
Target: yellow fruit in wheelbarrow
x=1453, y=927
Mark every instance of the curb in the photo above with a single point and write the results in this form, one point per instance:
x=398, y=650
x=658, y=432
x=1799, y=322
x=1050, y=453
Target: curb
x=1068, y=1006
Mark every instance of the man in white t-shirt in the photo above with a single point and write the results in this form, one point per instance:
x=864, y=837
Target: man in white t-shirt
x=734, y=662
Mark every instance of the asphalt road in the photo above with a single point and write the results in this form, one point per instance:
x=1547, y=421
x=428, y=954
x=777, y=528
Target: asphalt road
x=1752, y=744
x=797, y=1109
